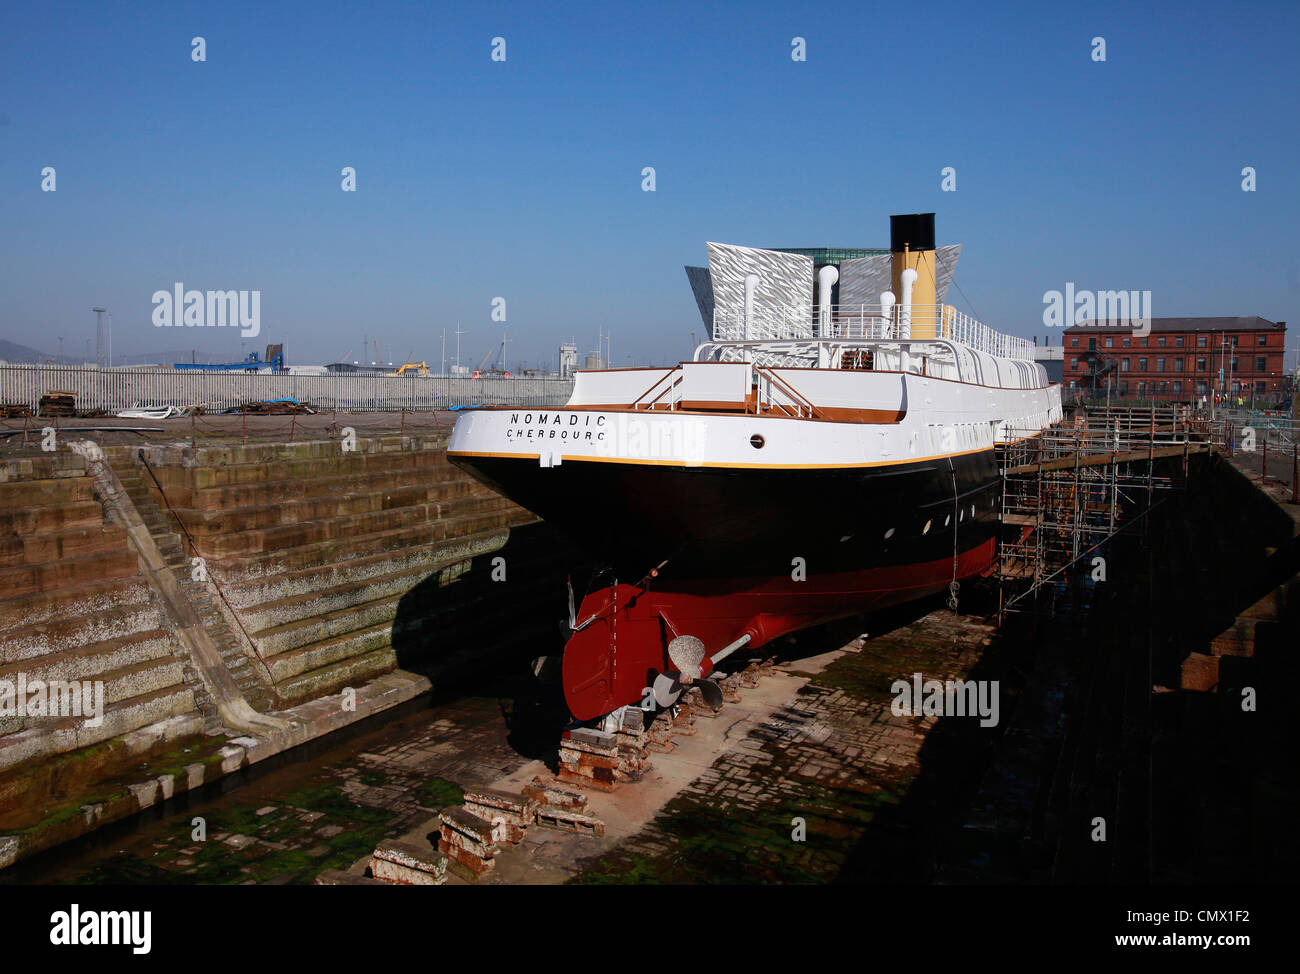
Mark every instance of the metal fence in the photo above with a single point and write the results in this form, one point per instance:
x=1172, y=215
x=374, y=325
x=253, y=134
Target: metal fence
x=115, y=389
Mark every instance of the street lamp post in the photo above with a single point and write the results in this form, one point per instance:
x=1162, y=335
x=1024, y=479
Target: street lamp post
x=99, y=335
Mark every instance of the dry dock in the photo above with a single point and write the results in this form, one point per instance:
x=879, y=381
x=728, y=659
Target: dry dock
x=370, y=571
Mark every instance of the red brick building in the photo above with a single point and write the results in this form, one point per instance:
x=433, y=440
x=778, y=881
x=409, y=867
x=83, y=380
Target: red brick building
x=1179, y=360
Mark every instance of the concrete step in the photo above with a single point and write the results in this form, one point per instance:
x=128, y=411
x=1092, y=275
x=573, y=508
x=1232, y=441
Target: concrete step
x=33, y=549
x=253, y=570
x=352, y=644
x=348, y=584
x=40, y=518
x=348, y=528
x=62, y=734
x=123, y=683
x=330, y=574
x=214, y=472
x=26, y=579
x=460, y=629
x=445, y=479
x=73, y=601
x=418, y=594
x=47, y=466
x=204, y=524
x=59, y=490
x=87, y=662
x=351, y=671
x=70, y=632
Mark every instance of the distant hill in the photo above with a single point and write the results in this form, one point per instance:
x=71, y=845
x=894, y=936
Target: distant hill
x=13, y=352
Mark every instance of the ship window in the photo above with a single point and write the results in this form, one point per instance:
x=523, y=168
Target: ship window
x=926, y=529
x=756, y=441
x=889, y=534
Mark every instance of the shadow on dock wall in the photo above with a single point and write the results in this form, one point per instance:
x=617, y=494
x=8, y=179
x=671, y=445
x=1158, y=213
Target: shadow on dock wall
x=1191, y=787
x=478, y=633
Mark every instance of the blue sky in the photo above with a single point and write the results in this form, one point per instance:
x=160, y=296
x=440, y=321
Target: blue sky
x=522, y=179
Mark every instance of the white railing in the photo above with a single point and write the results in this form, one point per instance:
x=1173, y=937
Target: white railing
x=669, y=385
x=115, y=389
x=865, y=322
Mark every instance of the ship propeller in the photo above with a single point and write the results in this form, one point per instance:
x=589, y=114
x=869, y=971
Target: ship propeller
x=687, y=654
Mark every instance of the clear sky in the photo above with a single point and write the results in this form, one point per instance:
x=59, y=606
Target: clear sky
x=522, y=179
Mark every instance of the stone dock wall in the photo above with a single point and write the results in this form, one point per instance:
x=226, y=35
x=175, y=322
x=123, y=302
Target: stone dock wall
x=232, y=602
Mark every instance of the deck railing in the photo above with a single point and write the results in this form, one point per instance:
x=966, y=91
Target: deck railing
x=865, y=322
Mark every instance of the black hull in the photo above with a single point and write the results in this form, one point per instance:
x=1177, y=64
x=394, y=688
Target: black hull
x=722, y=523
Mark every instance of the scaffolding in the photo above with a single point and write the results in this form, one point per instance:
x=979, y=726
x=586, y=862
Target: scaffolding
x=1068, y=490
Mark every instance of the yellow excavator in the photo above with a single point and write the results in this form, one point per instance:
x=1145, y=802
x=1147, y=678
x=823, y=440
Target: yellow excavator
x=415, y=368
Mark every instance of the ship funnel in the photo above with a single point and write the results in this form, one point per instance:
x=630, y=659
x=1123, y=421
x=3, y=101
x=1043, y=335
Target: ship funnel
x=911, y=242
x=826, y=278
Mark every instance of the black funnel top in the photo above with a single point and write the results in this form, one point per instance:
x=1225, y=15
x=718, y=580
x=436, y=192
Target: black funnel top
x=914, y=229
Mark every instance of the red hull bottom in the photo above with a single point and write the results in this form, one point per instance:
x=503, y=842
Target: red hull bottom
x=612, y=660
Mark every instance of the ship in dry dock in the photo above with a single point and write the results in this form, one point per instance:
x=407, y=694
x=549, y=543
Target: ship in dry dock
x=829, y=451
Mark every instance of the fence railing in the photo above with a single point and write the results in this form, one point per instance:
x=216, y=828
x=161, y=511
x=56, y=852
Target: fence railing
x=866, y=322
x=115, y=389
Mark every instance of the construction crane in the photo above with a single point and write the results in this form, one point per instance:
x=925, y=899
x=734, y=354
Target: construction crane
x=493, y=369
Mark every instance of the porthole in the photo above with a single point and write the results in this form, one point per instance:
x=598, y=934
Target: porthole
x=889, y=534
x=947, y=520
x=756, y=441
x=972, y=510
x=961, y=515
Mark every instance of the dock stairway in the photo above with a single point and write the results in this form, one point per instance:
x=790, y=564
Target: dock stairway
x=139, y=482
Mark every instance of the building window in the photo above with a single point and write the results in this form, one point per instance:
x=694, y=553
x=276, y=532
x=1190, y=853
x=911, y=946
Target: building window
x=1142, y=365
x=1127, y=342
x=1235, y=367
x=1110, y=343
x=1074, y=364
x=1234, y=340
x=1142, y=388
x=1202, y=387
x=1092, y=344
x=1161, y=341
x=1178, y=388
x=1123, y=365
x=1160, y=365
x=1259, y=388
x=1164, y=388
x=1178, y=365
x=1123, y=388
x=1179, y=341
x=1074, y=343
x=1261, y=364
x=1202, y=341
x=1200, y=365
